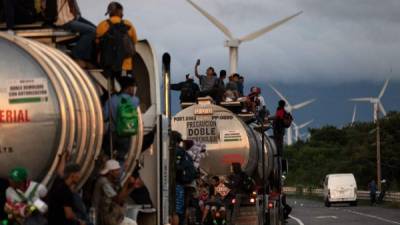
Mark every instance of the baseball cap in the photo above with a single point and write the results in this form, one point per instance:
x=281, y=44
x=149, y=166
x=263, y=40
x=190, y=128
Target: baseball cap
x=18, y=174
x=109, y=166
x=113, y=6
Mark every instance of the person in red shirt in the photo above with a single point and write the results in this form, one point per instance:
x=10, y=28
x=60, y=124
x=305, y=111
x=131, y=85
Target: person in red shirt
x=278, y=126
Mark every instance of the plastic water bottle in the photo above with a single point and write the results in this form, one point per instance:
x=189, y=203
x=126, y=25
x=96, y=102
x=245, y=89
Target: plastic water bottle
x=92, y=215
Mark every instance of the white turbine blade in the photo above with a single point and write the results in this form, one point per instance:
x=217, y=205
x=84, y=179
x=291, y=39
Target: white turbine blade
x=268, y=28
x=294, y=124
x=361, y=99
x=213, y=20
x=381, y=108
x=383, y=89
x=280, y=95
x=303, y=104
x=353, y=119
x=305, y=124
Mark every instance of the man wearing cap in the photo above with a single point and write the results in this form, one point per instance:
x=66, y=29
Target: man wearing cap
x=22, y=194
x=116, y=12
x=189, y=89
x=109, y=196
x=121, y=144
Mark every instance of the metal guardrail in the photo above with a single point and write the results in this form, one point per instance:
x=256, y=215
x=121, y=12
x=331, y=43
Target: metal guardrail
x=364, y=195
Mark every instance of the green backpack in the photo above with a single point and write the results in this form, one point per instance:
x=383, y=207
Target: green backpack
x=127, y=118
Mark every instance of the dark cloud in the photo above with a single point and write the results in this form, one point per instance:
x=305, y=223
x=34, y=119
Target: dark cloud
x=335, y=40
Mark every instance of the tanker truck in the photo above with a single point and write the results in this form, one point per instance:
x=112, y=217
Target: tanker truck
x=49, y=105
x=230, y=138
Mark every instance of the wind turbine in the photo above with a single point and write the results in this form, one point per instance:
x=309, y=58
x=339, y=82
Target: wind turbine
x=290, y=108
x=297, y=128
x=353, y=119
x=233, y=43
x=376, y=102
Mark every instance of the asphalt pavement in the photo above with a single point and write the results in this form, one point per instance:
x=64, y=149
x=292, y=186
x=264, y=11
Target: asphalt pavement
x=313, y=212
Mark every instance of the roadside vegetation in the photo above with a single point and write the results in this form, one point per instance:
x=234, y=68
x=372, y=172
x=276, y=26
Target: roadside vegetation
x=350, y=149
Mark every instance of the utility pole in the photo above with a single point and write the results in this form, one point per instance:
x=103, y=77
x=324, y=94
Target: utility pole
x=378, y=151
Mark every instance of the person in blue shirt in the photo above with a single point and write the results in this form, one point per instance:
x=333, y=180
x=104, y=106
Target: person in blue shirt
x=120, y=144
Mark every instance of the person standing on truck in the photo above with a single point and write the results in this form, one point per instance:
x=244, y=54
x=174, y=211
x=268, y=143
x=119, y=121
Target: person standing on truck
x=372, y=191
x=116, y=39
x=281, y=121
x=67, y=15
x=189, y=89
x=207, y=82
x=115, y=117
x=220, y=86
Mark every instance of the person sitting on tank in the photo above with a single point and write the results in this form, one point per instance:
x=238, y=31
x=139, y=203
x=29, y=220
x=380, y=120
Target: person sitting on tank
x=65, y=204
x=255, y=101
x=110, y=195
x=17, y=12
x=120, y=143
x=188, y=88
x=207, y=82
x=231, y=89
x=115, y=63
x=24, y=198
x=66, y=15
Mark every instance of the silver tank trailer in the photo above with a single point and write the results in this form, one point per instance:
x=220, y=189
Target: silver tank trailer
x=48, y=105
x=228, y=139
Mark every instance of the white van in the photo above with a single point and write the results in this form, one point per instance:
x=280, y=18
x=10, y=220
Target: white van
x=340, y=188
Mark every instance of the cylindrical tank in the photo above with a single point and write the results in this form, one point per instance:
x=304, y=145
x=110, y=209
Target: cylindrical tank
x=48, y=105
x=228, y=139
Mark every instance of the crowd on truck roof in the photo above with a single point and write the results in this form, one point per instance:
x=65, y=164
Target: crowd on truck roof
x=200, y=198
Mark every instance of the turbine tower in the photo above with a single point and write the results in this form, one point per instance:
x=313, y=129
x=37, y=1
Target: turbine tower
x=290, y=108
x=376, y=102
x=297, y=129
x=233, y=43
x=353, y=119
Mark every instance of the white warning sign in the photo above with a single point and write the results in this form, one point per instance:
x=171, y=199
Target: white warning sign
x=231, y=135
x=27, y=91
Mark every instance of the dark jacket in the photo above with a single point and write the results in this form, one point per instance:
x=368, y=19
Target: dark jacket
x=189, y=90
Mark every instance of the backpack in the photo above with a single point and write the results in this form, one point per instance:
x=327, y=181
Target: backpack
x=127, y=118
x=185, y=166
x=115, y=46
x=287, y=120
x=188, y=94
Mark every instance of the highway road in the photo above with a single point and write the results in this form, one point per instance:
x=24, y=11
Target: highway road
x=313, y=212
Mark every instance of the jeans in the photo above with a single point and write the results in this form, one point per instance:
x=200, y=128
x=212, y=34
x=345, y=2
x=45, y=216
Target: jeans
x=85, y=46
x=18, y=12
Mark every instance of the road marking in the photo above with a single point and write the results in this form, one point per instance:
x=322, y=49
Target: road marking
x=297, y=220
x=372, y=216
x=326, y=217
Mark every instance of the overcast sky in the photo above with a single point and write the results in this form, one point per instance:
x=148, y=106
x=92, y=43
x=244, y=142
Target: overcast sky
x=334, y=41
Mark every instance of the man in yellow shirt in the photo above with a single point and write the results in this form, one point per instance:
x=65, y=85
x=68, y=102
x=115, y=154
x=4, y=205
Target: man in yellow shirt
x=115, y=12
